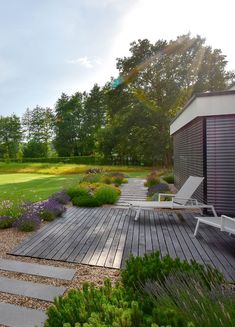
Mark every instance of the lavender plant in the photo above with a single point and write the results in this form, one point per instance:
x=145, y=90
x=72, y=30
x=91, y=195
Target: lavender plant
x=51, y=209
x=61, y=197
x=28, y=222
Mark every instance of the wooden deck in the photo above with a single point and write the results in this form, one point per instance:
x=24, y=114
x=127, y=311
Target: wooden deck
x=106, y=237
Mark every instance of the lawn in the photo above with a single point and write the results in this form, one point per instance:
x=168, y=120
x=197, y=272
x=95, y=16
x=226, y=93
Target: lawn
x=33, y=187
x=36, y=181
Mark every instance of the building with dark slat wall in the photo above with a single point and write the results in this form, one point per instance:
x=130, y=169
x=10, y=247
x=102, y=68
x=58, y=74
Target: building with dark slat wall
x=204, y=145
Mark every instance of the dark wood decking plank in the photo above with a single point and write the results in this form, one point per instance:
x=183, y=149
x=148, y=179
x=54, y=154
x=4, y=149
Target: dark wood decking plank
x=135, y=238
x=197, y=252
x=161, y=240
x=64, y=240
x=83, y=237
x=115, y=241
x=90, y=245
x=100, y=254
x=129, y=236
x=214, y=261
x=178, y=249
x=40, y=235
x=154, y=236
x=212, y=239
x=142, y=241
x=49, y=243
x=147, y=229
x=122, y=242
x=166, y=235
x=175, y=223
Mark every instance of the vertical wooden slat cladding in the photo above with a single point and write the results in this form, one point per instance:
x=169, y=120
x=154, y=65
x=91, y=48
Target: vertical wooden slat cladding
x=188, y=154
x=221, y=163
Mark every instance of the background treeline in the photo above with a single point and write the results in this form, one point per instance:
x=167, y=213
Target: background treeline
x=127, y=120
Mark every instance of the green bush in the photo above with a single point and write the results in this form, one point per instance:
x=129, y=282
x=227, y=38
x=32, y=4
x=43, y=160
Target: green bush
x=92, y=178
x=77, y=191
x=28, y=226
x=6, y=222
x=169, y=179
x=106, y=179
x=153, y=267
x=86, y=201
x=155, y=292
x=118, y=181
x=47, y=215
x=152, y=179
x=191, y=300
x=106, y=194
x=97, y=307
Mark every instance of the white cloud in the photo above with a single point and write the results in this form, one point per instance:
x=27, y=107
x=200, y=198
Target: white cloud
x=85, y=61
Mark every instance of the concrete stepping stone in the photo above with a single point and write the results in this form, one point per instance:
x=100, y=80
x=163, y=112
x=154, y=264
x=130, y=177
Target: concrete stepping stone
x=37, y=269
x=34, y=290
x=15, y=316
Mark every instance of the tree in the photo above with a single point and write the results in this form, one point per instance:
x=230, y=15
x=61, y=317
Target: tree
x=154, y=82
x=93, y=119
x=10, y=136
x=68, y=122
x=38, y=129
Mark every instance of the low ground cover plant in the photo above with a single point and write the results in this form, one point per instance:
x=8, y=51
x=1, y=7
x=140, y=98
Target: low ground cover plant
x=28, y=216
x=153, y=292
x=169, y=178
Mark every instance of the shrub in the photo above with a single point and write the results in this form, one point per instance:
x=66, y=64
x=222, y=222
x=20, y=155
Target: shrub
x=117, y=181
x=169, y=179
x=77, y=191
x=10, y=209
x=159, y=188
x=91, y=178
x=106, y=179
x=51, y=209
x=86, y=201
x=61, y=197
x=152, y=179
x=152, y=267
x=6, y=222
x=90, y=307
x=27, y=222
x=106, y=194
x=94, y=170
x=189, y=298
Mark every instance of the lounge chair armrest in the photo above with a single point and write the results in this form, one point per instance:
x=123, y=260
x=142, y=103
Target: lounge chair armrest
x=165, y=194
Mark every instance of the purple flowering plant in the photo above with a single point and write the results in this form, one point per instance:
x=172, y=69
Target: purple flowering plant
x=61, y=197
x=51, y=209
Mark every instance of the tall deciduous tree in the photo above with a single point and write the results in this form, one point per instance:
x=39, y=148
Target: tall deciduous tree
x=93, y=119
x=38, y=128
x=68, y=122
x=155, y=81
x=10, y=136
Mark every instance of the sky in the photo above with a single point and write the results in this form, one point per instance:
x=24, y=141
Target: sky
x=52, y=46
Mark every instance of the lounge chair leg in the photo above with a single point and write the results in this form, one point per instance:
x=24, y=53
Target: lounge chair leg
x=137, y=214
x=196, y=228
x=129, y=210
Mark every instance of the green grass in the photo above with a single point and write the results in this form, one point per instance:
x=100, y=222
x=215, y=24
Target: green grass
x=33, y=187
x=37, y=181
x=64, y=169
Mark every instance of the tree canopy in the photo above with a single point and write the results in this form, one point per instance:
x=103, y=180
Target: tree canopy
x=127, y=119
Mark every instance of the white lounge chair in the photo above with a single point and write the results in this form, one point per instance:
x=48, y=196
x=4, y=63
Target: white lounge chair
x=181, y=200
x=224, y=223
